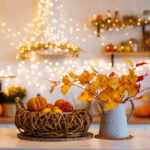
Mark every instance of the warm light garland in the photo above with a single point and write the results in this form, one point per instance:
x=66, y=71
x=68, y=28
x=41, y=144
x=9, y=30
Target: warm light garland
x=41, y=31
x=66, y=47
x=32, y=28
x=108, y=23
x=30, y=73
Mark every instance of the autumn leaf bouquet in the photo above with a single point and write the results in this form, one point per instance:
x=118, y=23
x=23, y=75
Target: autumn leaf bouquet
x=110, y=89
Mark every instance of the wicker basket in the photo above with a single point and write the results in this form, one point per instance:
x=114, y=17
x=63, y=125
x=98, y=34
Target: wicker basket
x=38, y=124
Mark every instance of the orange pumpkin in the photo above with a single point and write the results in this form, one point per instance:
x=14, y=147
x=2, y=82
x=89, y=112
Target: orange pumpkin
x=1, y=109
x=36, y=103
x=142, y=111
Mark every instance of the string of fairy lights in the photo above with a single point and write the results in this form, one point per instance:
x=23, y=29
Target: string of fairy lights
x=33, y=71
x=25, y=71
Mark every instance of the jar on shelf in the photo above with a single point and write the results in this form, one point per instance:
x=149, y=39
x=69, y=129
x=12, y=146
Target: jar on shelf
x=146, y=15
x=134, y=44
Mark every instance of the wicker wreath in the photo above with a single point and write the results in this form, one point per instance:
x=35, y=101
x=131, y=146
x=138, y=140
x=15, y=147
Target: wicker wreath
x=46, y=125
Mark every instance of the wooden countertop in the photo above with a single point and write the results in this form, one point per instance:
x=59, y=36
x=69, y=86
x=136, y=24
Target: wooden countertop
x=96, y=120
x=9, y=140
x=6, y=120
x=134, y=120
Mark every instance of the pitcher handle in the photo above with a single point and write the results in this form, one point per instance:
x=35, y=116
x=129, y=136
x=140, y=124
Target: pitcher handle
x=99, y=107
x=132, y=110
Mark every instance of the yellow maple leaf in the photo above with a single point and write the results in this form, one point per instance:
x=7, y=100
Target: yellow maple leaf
x=65, y=88
x=86, y=96
x=132, y=90
x=86, y=77
x=116, y=95
x=109, y=106
x=101, y=81
x=83, y=96
x=91, y=87
x=105, y=95
x=133, y=77
x=113, y=82
x=129, y=61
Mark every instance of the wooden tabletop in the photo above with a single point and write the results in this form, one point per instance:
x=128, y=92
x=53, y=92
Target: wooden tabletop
x=6, y=120
x=96, y=120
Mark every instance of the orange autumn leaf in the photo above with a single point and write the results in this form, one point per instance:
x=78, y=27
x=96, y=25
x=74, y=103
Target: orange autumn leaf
x=86, y=96
x=52, y=89
x=116, y=95
x=141, y=98
x=90, y=96
x=86, y=77
x=83, y=96
x=65, y=88
x=130, y=79
x=65, y=79
x=109, y=106
x=132, y=90
x=72, y=83
x=144, y=98
x=105, y=95
x=132, y=75
x=94, y=70
x=117, y=105
x=54, y=82
x=72, y=75
x=101, y=81
x=113, y=82
x=91, y=88
x=129, y=61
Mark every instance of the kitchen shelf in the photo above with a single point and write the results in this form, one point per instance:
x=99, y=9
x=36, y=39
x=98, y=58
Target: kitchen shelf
x=53, y=53
x=105, y=25
x=5, y=77
x=7, y=120
x=128, y=53
x=113, y=54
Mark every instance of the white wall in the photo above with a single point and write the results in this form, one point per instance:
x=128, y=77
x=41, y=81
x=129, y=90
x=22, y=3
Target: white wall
x=18, y=13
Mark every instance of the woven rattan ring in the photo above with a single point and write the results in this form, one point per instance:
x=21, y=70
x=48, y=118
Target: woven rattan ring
x=38, y=124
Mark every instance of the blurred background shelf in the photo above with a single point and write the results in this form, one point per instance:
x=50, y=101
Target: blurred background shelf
x=146, y=53
x=96, y=120
x=54, y=54
x=113, y=54
x=7, y=120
